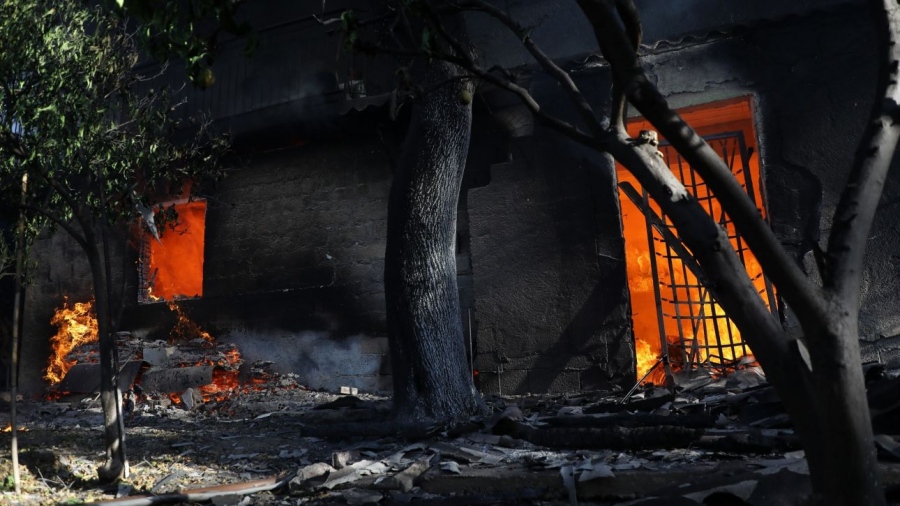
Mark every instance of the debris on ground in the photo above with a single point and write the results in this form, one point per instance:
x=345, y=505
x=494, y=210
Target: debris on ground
x=707, y=441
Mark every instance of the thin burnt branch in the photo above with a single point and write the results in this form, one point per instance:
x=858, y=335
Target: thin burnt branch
x=630, y=17
x=859, y=201
x=562, y=77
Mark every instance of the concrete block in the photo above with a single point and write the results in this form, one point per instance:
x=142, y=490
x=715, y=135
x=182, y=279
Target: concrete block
x=158, y=355
x=177, y=379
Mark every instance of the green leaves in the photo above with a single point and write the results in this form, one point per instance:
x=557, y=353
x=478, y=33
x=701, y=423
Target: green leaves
x=350, y=29
x=429, y=41
x=172, y=28
x=70, y=118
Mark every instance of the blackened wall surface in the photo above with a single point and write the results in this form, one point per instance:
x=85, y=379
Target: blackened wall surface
x=550, y=287
x=294, y=262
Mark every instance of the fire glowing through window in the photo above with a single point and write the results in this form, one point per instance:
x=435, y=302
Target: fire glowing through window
x=173, y=266
x=668, y=302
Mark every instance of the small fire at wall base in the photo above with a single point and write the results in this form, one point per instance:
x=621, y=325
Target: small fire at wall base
x=76, y=342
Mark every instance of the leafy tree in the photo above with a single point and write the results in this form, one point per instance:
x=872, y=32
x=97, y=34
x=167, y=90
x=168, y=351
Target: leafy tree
x=817, y=375
x=96, y=154
x=189, y=30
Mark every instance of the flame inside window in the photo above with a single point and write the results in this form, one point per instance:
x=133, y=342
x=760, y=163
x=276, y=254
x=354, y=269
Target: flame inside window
x=173, y=266
x=669, y=304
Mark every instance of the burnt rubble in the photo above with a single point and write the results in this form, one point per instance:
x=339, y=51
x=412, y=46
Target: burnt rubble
x=707, y=441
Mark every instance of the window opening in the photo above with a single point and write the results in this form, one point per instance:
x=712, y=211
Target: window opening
x=172, y=267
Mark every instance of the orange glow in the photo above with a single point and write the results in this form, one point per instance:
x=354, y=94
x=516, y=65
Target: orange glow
x=647, y=357
x=75, y=325
x=224, y=382
x=8, y=428
x=700, y=339
x=225, y=377
x=225, y=374
x=176, y=261
x=55, y=395
x=185, y=329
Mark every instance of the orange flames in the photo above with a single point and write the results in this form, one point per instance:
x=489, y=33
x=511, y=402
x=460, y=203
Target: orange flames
x=76, y=325
x=185, y=329
x=700, y=338
x=224, y=383
x=225, y=375
x=176, y=261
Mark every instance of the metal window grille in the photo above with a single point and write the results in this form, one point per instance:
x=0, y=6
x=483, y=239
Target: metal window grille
x=145, y=276
x=696, y=329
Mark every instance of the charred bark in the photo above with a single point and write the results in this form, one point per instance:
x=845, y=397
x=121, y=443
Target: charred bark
x=428, y=354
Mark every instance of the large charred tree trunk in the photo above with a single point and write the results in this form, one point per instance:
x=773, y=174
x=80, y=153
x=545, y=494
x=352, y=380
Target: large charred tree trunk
x=428, y=353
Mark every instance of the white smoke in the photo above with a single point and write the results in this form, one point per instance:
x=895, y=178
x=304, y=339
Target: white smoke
x=319, y=360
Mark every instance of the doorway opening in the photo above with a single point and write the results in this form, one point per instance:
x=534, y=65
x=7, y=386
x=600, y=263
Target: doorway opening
x=671, y=305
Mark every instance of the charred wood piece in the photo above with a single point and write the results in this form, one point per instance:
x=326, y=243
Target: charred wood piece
x=612, y=438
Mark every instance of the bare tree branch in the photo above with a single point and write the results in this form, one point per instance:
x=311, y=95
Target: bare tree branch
x=793, y=284
x=632, y=20
x=562, y=77
x=59, y=221
x=466, y=62
x=859, y=201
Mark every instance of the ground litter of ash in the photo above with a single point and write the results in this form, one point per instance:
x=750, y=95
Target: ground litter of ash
x=708, y=441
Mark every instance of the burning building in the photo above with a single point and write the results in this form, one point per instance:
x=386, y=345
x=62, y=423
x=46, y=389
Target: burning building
x=569, y=278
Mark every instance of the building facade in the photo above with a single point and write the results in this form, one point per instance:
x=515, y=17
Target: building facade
x=293, y=239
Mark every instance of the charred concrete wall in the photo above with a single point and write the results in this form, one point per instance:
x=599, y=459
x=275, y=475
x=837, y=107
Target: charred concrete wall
x=294, y=262
x=294, y=248
x=548, y=262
